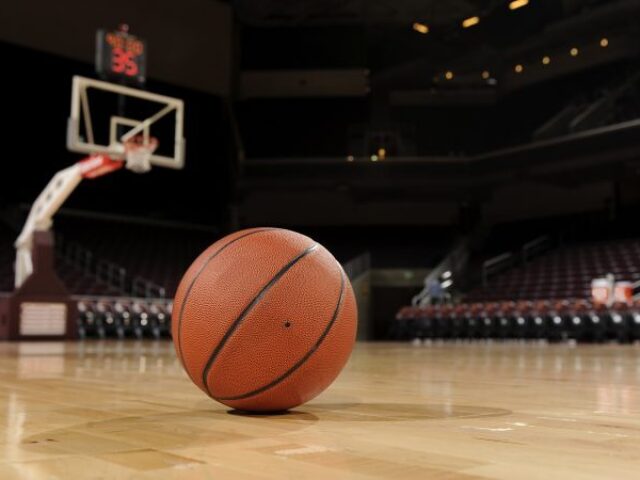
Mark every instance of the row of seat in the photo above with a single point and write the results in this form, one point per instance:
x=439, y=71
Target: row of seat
x=551, y=320
x=124, y=318
x=563, y=273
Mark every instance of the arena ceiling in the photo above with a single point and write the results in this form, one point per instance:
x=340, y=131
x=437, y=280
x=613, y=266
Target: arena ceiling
x=370, y=12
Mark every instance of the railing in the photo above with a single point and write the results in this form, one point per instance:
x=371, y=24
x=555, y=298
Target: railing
x=535, y=246
x=592, y=115
x=495, y=265
x=105, y=271
x=77, y=255
x=146, y=288
x=112, y=274
x=83, y=259
x=454, y=263
x=508, y=259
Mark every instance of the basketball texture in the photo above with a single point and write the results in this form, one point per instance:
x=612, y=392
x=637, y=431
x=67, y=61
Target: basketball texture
x=264, y=320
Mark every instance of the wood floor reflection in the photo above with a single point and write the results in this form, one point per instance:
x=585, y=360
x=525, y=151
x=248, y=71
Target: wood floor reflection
x=113, y=410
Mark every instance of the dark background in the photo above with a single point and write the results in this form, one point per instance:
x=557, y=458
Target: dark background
x=460, y=153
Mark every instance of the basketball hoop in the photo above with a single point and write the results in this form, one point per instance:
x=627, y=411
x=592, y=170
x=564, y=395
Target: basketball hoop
x=138, y=151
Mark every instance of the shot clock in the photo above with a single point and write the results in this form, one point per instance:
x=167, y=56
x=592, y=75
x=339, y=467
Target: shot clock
x=120, y=56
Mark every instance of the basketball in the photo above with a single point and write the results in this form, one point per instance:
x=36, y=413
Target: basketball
x=264, y=320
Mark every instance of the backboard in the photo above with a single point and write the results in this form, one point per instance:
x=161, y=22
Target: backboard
x=106, y=115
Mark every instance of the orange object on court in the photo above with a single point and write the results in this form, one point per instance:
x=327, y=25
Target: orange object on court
x=264, y=320
x=623, y=292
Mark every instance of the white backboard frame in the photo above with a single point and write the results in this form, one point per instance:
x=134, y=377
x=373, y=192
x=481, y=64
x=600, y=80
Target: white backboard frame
x=81, y=118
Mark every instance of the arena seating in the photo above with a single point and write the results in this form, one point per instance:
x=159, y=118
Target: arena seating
x=548, y=298
x=74, y=278
x=80, y=282
x=541, y=319
x=123, y=318
x=160, y=254
x=564, y=273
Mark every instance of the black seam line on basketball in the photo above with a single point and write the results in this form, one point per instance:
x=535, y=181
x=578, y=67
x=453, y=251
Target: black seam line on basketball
x=300, y=362
x=195, y=279
x=236, y=323
x=197, y=275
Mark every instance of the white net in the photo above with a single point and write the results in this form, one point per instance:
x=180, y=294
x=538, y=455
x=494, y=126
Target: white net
x=138, y=151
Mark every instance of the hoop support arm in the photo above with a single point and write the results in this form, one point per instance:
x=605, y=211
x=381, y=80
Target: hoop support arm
x=49, y=202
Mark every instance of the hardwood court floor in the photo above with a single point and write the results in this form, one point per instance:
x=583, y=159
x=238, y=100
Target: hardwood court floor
x=125, y=410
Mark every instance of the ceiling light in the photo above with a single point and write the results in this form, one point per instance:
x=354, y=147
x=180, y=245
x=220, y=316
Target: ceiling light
x=518, y=68
x=573, y=52
x=470, y=22
x=515, y=4
x=420, y=28
x=546, y=60
x=448, y=75
x=604, y=42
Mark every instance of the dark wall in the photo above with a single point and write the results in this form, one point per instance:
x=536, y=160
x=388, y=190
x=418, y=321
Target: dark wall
x=316, y=127
x=299, y=127
x=386, y=301
x=300, y=48
x=189, y=42
x=513, y=200
x=529, y=200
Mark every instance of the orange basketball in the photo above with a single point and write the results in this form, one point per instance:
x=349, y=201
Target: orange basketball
x=264, y=320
